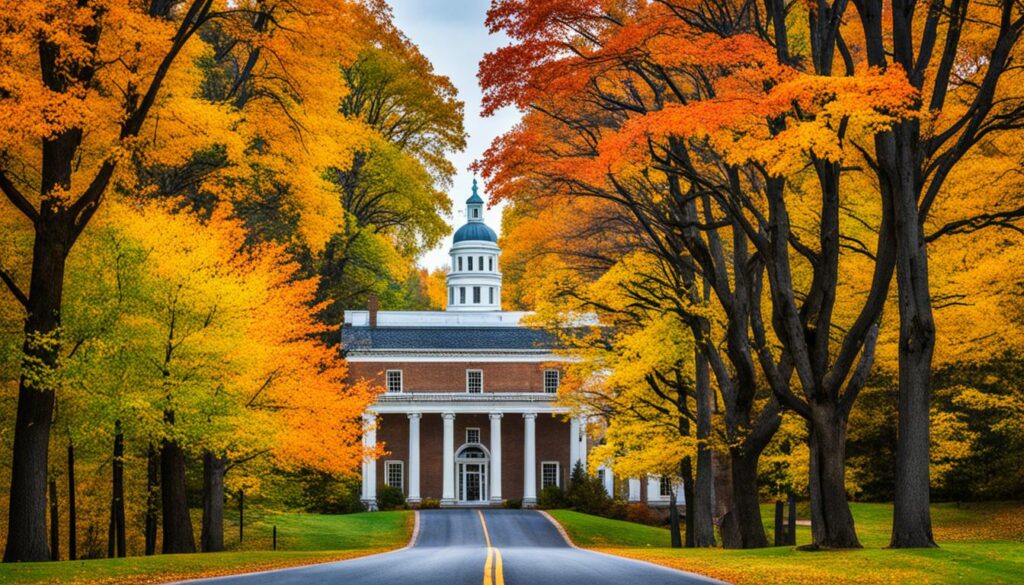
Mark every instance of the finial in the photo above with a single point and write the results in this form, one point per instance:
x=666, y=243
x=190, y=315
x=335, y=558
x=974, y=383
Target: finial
x=474, y=185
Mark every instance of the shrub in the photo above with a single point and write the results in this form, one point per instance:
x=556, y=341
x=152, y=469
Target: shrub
x=551, y=497
x=642, y=514
x=390, y=498
x=616, y=510
x=512, y=504
x=586, y=493
x=429, y=504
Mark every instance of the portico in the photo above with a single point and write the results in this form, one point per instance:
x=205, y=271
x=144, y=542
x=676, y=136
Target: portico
x=473, y=464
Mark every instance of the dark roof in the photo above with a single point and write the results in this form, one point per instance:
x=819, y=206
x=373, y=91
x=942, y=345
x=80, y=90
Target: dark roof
x=475, y=231
x=433, y=338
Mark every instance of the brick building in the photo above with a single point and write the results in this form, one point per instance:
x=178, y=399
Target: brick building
x=468, y=416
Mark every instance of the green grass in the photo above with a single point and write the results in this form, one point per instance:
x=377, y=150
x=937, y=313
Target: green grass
x=302, y=539
x=979, y=543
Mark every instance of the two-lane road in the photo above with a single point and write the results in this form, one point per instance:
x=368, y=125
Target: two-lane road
x=493, y=547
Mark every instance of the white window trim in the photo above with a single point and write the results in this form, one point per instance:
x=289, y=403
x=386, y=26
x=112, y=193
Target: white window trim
x=481, y=381
x=558, y=381
x=387, y=382
x=558, y=473
x=478, y=435
x=387, y=476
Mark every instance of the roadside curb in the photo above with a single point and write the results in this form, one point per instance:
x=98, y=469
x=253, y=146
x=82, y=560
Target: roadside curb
x=560, y=529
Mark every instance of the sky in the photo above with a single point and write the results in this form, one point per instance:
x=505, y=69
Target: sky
x=451, y=33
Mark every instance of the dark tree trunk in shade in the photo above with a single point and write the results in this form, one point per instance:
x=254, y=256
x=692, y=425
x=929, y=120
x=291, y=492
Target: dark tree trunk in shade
x=72, y=512
x=116, y=534
x=178, y=536
x=831, y=520
x=701, y=506
x=780, y=524
x=673, y=521
x=152, y=498
x=687, y=472
x=791, y=525
x=212, y=536
x=54, y=522
x=743, y=522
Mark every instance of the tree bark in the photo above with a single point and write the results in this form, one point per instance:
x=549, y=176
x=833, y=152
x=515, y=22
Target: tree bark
x=673, y=520
x=912, y=525
x=72, y=512
x=747, y=528
x=152, y=504
x=687, y=472
x=831, y=520
x=214, y=468
x=178, y=536
x=116, y=534
x=54, y=522
x=701, y=507
x=26, y=523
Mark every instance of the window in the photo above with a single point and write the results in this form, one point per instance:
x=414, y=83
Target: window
x=394, y=474
x=490, y=264
x=451, y=295
x=459, y=259
x=394, y=381
x=474, y=381
x=462, y=295
x=601, y=476
x=476, y=212
x=549, y=474
x=666, y=486
x=476, y=295
x=491, y=296
x=469, y=261
x=473, y=435
x=481, y=263
x=551, y=380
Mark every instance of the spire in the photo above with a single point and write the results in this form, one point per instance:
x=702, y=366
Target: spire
x=475, y=206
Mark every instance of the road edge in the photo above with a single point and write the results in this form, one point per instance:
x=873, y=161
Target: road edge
x=565, y=535
x=412, y=542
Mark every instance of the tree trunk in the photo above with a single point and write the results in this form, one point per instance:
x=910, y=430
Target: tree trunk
x=912, y=524
x=791, y=521
x=701, y=507
x=831, y=520
x=54, y=522
x=26, y=524
x=72, y=512
x=116, y=535
x=687, y=472
x=214, y=468
x=178, y=536
x=673, y=520
x=746, y=528
x=780, y=524
x=152, y=505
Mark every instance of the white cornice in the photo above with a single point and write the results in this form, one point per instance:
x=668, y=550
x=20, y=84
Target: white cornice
x=463, y=403
x=454, y=356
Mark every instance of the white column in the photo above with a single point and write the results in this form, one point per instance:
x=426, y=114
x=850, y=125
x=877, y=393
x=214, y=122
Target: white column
x=496, y=457
x=530, y=459
x=414, y=457
x=583, y=442
x=369, y=462
x=634, y=489
x=574, y=443
x=448, y=467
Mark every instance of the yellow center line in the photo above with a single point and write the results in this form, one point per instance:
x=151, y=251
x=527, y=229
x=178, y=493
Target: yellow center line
x=494, y=573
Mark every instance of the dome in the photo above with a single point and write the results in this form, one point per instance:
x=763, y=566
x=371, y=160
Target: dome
x=476, y=231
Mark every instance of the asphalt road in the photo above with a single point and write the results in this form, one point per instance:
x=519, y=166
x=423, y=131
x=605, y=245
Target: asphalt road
x=493, y=547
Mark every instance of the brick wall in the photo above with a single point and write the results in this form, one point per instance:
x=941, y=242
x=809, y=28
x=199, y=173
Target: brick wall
x=451, y=376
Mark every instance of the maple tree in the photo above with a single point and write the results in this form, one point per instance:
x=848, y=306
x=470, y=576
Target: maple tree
x=722, y=137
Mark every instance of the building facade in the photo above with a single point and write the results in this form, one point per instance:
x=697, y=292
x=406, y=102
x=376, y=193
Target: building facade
x=468, y=415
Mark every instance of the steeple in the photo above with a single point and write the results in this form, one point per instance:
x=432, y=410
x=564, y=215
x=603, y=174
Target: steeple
x=474, y=207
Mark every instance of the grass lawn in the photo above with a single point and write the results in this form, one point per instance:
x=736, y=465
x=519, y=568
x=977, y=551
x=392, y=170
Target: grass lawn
x=302, y=539
x=979, y=543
